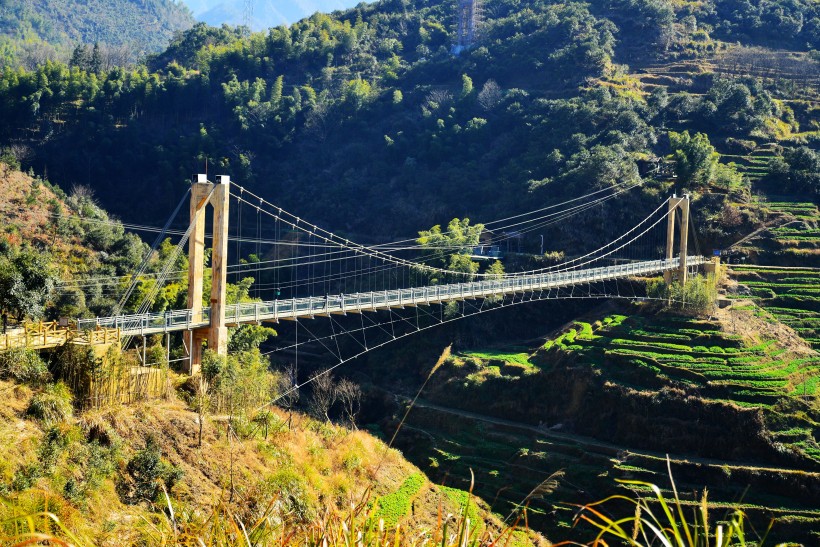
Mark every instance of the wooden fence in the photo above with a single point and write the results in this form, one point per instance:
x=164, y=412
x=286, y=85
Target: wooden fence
x=50, y=334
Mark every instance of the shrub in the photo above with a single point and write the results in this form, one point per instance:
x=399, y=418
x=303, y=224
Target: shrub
x=55, y=442
x=697, y=296
x=147, y=469
x=25, y=477
x=23, y=365
x=293, y=491
x=52, y=404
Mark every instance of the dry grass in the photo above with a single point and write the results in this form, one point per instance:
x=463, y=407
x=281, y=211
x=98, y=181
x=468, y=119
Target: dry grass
x=301, y=485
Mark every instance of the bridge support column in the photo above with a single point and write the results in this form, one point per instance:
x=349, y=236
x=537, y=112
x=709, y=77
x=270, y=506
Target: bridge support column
x=677, y=204
x=217, y=195
x=218, y=333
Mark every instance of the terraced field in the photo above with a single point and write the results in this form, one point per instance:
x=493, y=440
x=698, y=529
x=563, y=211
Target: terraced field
x=755, y=165
x=656, y=356
x=694, y=354
x=794, y=241
x=509, y=460
x=791, y=295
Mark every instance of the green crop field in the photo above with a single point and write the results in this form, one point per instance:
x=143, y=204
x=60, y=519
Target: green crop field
x=718, y=363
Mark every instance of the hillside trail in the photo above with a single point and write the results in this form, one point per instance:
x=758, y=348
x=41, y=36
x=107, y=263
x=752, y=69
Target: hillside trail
x=610, y=448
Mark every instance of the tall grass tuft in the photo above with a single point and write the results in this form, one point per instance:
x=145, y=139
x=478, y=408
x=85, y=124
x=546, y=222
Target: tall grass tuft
x=356, y=526
x=52, y=404
x=24, y=366
x=657, y=520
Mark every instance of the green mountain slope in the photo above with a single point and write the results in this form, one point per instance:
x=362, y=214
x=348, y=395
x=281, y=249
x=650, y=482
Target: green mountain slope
x=367, y=109
x=33, y=31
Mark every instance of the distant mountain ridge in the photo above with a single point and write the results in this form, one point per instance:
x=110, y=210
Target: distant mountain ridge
x=32, y=31
x=266, y=13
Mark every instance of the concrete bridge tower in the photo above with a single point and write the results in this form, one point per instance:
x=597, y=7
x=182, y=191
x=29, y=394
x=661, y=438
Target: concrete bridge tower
x=217, y=195
x=676, y=205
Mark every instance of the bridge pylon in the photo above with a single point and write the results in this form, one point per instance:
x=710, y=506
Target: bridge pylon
x=217, y=195
x=676, y=205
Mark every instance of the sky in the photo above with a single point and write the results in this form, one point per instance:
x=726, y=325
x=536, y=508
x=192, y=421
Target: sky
x=266, y=13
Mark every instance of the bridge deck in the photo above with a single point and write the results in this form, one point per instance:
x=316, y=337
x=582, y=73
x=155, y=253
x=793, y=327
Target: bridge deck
x=309, y=307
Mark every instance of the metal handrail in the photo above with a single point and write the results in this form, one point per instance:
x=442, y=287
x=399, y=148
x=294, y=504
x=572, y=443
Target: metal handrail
x=150, y=323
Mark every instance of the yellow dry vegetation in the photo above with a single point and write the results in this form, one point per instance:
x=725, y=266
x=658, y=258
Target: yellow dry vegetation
x=301, y=474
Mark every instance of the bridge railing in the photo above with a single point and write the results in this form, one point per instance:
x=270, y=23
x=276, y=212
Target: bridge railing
x=148, y=323
x=342, y=303
x=305, y=307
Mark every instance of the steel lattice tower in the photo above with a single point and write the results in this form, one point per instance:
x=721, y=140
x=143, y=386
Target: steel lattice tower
x=469, y=20
x=247, y=14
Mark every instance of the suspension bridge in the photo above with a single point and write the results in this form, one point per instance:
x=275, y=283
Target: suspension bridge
x=322, y=274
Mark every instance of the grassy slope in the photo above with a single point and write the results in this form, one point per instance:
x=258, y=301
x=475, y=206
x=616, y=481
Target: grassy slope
x=23, y=204
x=310, y=467
x=320, y=463
x=37, y=214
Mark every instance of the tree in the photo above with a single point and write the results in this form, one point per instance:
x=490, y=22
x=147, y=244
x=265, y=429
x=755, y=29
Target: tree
x=490, y=95
x=201, y=404
x=496, y=270
x=248, y=337
x=695, y=157
x=96, y=63
x=80, y=57
x=26, y=283
x=287, y=389
x=350, y=395
x=459, y=238
x=324, y=395
x=802, y=170
x=466, y=86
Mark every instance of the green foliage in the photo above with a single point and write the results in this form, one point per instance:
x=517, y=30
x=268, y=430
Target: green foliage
x=248, y=337
x=52, y=404
x=146, y=469
x=698, y=295
x=8, y=157
x=450, y=248
x=466, y=86
x=240, y=382
x=796, y=23
x=459, y=236
x=324, y=80
x=392, y=507
x=495, y=270
x=26, y=283
x=23, y=365
x=490, y=355
x=292, y=489
x=654, y=19
x=799, y=169
x=695, y=158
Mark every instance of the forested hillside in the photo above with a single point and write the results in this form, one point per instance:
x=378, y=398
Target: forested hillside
x=369, y=111
x=32, y=31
